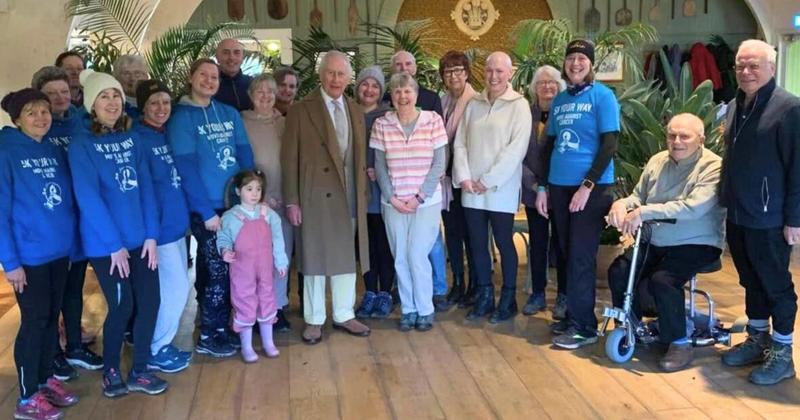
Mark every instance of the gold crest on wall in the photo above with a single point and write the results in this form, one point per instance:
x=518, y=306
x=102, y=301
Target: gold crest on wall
x=474, y=17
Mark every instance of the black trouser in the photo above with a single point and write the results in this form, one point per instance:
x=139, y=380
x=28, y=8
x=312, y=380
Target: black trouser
x=141, y=287
x=578, y=240
x=381, y=261
x=456, y=236
x=39, y=305
x=539, y=243
x=662, y=272
x=478, y=222
x=211, y=280
x=761, y=257
x=72, y=306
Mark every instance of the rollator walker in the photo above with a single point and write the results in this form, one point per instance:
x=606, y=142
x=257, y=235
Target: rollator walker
x=703, y=327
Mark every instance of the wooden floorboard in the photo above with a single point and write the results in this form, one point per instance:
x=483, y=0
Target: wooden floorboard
x=459, y=370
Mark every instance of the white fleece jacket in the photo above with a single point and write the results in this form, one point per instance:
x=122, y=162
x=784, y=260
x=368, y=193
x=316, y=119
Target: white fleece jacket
x=490, y=143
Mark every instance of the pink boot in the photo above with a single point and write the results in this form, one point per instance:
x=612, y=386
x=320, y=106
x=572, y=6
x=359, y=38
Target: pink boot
x=246, y=337
x=265, y=328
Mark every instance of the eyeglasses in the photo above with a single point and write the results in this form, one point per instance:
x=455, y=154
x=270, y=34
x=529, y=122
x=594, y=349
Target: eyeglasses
x=547, y=82
x=454, y=72
x=753, y=68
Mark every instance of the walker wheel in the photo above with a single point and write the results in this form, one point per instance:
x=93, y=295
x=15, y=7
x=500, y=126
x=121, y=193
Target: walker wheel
x=618, y=349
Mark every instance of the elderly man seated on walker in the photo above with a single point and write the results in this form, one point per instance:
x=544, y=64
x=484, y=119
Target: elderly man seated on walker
x=679, y=183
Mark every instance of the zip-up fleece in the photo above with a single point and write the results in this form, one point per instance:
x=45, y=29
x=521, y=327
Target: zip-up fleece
x=173, y=211
x=114, y=190
x=233, y=91
x=37, y=215
x=210, y=146
x=761, y=171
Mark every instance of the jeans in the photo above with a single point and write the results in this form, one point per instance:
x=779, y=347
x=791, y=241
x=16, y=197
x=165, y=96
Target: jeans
x=438, y=265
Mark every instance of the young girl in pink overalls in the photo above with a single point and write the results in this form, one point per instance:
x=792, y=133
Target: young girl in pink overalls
x=251, y=241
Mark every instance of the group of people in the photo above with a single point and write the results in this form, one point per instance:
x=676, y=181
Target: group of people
x=114, y=170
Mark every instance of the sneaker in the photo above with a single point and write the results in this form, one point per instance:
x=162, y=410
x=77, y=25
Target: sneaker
x=750, y=351
x=62, y=370
x=37, y=408
x=113, y=385
x=178, y=353
x=282, y=324
x=367, y=305
x=383, y=305
x=536, y=302
x=559, y=327
x=54, y=392
x=424, y=323
x=146, y=382
x=231, y=338
x=560, y=308
x=777, y=366
x=440, y=303
x=84, y=358
x=214, y=347
x=573, y=339
x=408, y=321
x=167, y=360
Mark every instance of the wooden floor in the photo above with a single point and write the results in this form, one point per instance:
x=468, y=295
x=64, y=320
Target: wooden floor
x=458, y=370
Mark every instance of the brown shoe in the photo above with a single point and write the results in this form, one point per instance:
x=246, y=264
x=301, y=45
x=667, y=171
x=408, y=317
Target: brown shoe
x=312, y=334
x=678, y=357
x=353, y=327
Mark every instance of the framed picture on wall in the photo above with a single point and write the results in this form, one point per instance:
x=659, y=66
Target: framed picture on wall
x=612, y=68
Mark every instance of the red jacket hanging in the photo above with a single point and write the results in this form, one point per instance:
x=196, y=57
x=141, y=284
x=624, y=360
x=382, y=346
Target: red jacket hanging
x=704, y=66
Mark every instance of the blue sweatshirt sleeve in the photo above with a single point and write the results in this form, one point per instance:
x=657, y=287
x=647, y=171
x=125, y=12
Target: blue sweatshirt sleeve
x=148, y=192
x=226, y=236
x=86, y=184
x=9, y=256
x=244, y=153
x=280, y=259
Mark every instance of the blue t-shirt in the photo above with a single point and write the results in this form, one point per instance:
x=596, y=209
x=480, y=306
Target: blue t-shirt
x=577, y=123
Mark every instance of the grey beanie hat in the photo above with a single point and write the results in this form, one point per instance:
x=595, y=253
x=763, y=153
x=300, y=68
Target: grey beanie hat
x=373, y=72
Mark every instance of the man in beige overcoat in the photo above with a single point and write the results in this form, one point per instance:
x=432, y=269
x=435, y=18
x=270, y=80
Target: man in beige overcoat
x=325, y=190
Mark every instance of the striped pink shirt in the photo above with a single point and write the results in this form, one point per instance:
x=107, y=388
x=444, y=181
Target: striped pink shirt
x=408, y=159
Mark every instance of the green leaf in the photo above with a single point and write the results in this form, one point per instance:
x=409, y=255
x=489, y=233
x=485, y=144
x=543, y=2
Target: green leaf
x=124, y=20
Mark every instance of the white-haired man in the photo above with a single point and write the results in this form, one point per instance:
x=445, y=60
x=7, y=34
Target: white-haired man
x=325, y=190
x=679, y=183
x=761, y=188
x=129, y=70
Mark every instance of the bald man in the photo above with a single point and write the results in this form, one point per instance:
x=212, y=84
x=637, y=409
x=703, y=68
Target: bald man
x=678, y=183
x=233, y=84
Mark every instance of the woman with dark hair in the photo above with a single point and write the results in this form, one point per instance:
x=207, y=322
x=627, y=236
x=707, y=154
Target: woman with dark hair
x=210, y=146
x=37, y=233
x=119, y=228
x=454, y=68
x=578, y=158
x=154, y=102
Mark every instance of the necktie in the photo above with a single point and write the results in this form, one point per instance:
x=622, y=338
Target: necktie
x=340, y=124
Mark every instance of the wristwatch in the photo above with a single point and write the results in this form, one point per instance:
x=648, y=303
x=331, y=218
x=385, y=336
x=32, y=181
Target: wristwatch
x=587, y=183
x=419, y=199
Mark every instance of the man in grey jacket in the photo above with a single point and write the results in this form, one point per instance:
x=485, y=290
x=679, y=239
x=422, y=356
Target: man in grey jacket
x=679, y=183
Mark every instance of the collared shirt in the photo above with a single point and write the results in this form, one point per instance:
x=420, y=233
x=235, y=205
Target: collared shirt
x=330, y=105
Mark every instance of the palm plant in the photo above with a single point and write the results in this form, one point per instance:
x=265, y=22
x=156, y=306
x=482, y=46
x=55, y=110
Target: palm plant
x=645, y=111
x=539, y=42
x=118, y=27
